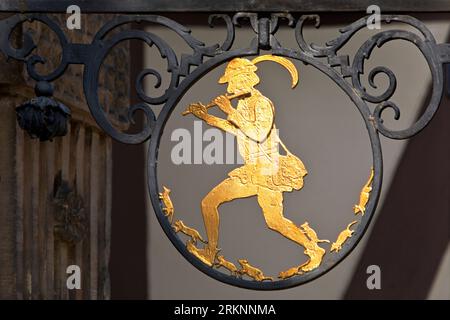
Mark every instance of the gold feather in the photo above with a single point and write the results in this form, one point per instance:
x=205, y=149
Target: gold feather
x=282, y=61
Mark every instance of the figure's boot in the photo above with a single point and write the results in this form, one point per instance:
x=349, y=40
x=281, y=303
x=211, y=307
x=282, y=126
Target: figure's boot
x=205, y=255
x=315, y=254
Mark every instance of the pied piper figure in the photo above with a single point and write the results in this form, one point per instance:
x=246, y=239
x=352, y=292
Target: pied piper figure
x=266, y=173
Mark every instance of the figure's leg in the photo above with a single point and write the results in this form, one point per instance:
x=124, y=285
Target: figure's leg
x=227, y=190
x=271, y=203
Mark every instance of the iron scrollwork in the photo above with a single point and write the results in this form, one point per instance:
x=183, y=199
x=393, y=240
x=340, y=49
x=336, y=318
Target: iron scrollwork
x=191, y=67
x=425, y=43
x=92, y=56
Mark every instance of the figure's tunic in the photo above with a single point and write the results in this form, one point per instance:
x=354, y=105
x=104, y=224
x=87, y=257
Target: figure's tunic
x=258, y=144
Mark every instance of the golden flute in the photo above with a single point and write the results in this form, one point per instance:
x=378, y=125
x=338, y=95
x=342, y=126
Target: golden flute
x=229, y=97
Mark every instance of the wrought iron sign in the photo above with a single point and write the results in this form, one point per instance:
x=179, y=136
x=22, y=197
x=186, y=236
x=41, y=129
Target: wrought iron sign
x=252, y=121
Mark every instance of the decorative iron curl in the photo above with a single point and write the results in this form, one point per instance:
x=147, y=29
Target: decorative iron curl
x=28, y=45
x=332, y=46
x=228, y=42
x=91, y=76
x=425, y=43
x=175, y=68
x=379, y=109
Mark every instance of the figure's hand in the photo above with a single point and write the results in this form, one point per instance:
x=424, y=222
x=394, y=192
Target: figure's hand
x=224, y=104
x=197, y=109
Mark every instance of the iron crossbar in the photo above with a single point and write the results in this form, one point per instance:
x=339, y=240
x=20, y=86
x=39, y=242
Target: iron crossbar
x=151, y=6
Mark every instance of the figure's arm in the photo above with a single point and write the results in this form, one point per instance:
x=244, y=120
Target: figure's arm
x=258, y=128
x=223, y=124
x=200, y=111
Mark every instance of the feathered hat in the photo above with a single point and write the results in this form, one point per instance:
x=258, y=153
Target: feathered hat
x=241, y=65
